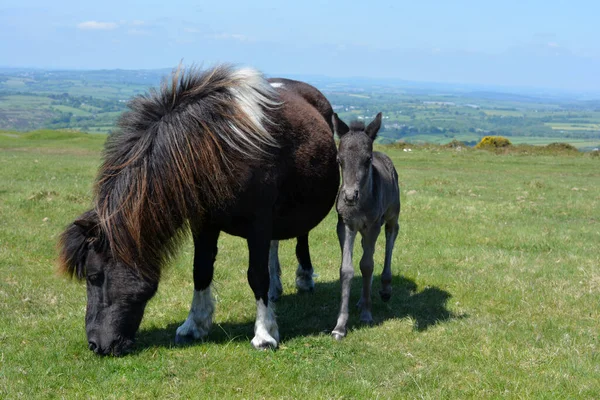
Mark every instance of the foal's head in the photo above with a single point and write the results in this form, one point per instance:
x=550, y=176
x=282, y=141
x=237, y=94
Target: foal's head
x=355, y=155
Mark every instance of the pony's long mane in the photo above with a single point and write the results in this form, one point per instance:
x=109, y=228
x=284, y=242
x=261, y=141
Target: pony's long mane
x=180, y=151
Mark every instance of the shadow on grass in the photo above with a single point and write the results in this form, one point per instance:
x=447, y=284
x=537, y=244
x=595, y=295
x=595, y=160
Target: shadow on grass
x=307, y=314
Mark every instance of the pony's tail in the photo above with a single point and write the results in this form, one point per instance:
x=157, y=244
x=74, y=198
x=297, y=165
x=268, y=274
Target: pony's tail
x=179, y=151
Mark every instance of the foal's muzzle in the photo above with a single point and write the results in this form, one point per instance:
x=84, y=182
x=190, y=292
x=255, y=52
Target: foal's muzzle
x=350, y=196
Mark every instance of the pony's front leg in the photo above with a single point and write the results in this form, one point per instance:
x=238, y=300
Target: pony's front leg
x=346, y=237
x=199, y=320
x=266, y=332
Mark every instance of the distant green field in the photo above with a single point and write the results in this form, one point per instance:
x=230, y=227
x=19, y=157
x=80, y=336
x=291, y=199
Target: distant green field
x=74, y=111
x=505, y=113
x=574, y=127
x=23, y=102
x=496, y=290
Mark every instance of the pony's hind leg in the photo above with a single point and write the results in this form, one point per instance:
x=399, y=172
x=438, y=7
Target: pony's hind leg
x=275, y=288
x=199, y=320
x=266, y=332
x=346, y=237
x=391, y=232
x=369, y=239
x=305, y=271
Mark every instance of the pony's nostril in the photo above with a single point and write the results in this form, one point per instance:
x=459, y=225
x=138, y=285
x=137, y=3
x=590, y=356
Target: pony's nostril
x=93, y=346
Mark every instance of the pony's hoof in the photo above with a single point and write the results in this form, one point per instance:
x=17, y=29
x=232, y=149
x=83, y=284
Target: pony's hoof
x=189, y=332
x=337, y=335
x=264, y=343
x=385, y=296
x=304, y=280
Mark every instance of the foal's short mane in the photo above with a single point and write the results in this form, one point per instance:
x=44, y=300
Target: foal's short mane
x=179, y=151
x=357, y=126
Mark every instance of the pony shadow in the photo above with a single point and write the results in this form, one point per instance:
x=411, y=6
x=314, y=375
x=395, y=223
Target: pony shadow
x=308, y=314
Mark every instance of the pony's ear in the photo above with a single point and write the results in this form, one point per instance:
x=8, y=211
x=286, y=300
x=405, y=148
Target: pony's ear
x=72, y=244
x=339, y=126
x=88, y=223
x=373, y=127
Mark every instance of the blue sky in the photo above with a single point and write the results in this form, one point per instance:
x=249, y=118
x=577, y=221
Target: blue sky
x=529, y=43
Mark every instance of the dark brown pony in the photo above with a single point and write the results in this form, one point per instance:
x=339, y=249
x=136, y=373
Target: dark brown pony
x=219, y=150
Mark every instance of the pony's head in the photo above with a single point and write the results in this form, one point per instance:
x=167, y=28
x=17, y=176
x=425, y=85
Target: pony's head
x=116, y=293
x=355, y=155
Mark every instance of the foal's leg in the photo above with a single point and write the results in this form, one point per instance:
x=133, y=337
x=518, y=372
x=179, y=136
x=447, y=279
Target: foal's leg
x=369, y=239
x=275, y=288
x=266, y=333
x=391, y=232
x=304, y=272
x=199, y=320
x=346, y=237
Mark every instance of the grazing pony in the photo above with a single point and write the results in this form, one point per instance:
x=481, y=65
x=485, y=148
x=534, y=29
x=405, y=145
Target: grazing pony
x=368, y=199
x=211, y=151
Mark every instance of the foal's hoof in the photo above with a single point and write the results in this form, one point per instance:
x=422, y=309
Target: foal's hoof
x=338, y=335
x=181, y=340
x=366, y=318
x=275, y=295
x=385, y=295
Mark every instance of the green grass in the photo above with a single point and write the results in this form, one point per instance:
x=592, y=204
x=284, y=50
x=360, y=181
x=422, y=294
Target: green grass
x=496, y=291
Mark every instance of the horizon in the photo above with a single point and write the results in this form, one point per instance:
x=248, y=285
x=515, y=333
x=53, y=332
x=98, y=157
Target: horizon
x=453, y=88
x=535, y=46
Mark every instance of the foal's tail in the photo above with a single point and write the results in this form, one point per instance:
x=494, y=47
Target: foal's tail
x=179, y=151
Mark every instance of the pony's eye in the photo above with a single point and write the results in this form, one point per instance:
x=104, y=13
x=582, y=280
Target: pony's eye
x=96, y=279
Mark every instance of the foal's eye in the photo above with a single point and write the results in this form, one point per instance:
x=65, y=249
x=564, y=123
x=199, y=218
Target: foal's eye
x=369, y=160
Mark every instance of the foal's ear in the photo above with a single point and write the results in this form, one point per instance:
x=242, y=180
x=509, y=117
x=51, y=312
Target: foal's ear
x=339, y=126
x=373, y=127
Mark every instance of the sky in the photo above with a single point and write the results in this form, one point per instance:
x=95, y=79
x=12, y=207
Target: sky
x=515, y=43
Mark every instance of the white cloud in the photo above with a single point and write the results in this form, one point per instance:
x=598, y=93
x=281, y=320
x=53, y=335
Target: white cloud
x=95, y=25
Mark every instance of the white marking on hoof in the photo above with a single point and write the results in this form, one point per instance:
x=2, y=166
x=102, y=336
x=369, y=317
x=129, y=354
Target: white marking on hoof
x=304, y=280
x=338, y=335
x=199, y=320
x=277, y=84
x=275, y=287
x=266, y=332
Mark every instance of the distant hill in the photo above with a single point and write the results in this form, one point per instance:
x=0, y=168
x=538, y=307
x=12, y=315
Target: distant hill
x=91, y=101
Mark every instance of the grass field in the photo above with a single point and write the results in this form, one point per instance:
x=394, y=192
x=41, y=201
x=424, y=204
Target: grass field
x=573, y=127
x=496, y=291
